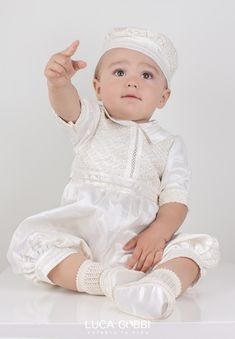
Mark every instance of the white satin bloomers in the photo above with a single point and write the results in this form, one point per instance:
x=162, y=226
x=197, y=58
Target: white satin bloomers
x=121, y=174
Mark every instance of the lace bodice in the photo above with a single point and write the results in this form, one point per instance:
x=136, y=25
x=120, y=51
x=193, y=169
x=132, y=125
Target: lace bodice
x=112, y=152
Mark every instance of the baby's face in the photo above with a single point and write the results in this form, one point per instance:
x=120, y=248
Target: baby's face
x=131, y=85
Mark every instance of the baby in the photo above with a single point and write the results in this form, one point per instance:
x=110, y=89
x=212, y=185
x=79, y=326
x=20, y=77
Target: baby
x=115, y=233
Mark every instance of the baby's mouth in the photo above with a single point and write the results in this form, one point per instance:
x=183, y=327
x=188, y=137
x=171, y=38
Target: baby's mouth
x=129, y=96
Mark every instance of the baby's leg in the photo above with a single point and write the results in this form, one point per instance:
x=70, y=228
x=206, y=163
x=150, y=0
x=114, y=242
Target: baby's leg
x=64, y=274
x=42, y=251
x=78, y=273
x=185, y=260
x=153, y=297
x=186, y=269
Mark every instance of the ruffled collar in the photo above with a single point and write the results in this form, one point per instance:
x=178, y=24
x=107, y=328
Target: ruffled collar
x=151, y=128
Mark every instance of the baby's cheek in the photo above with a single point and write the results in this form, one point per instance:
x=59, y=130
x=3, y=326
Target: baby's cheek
x=108, y=94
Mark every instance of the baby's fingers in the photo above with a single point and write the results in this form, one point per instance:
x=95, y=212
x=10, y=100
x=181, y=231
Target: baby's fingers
x=63, y=61
x=134, y=258
x=158, y=257
x=57, y=68
x=78, y=64
x=69, y=51
x=148, y=262
x=50, y=74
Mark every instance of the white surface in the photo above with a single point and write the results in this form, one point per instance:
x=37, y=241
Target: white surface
x=44, y=310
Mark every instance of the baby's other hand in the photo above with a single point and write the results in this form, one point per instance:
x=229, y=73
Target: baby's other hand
x=60, y=68
x=147, y=248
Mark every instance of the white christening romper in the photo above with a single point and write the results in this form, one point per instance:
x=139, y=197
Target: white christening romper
x=121, y=174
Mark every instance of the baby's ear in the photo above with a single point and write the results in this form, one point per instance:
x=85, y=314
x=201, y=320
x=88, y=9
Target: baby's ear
x=96, y=85
x=165, y=96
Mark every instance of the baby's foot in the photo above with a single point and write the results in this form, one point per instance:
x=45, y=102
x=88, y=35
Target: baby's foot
x=152, y=297
x=113, y=277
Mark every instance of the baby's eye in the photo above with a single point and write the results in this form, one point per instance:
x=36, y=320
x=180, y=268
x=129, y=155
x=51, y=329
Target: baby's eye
x=149, y=75
x=118, y=72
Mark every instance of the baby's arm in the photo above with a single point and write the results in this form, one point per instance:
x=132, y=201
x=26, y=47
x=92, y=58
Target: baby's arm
x=63, y=95
x=169, y=218
x=174, y=191
x=149, y=244
x=173, y=201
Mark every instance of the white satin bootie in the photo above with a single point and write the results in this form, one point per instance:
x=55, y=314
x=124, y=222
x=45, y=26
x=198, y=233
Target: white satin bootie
x=113, y=277
x=152, y=297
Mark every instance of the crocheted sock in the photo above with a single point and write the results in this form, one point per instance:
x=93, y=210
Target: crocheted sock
x=169, y=280
x=88, y=277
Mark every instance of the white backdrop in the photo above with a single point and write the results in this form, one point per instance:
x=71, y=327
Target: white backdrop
x=36, y=155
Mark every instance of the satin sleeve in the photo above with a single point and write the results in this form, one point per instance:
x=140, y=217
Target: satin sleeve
x=176, y=178
x=85, y=126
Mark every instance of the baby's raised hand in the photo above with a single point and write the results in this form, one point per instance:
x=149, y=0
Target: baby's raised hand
x=60, y=68
x=148, y=249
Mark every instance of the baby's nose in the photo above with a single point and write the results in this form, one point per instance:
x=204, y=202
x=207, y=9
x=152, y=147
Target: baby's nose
x=132, y=84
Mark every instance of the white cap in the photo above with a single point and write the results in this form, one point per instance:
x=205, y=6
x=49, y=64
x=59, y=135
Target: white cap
x=155, y=45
